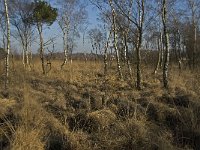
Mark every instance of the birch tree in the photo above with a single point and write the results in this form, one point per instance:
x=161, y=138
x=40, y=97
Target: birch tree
x=96, y=37
x=106, y=17
x=21, y=13
x=193, y=7
x=159, y=41
x=106, y=53
x=137, y=19
x=7, y=45
x=124, y=34
x=115, y=43
x=126, y=48
x=134, y=11
x=176, y=38
x=72, y=16
x=3, y=26
x=166, y=43
x=139, y=41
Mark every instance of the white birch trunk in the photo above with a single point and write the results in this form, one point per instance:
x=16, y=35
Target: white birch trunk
x=159, y=61
x=115, y=40
x=23, y=57
x=65, y=45
x=39, y=27
x=106, y=55
x=127, y=61
x=139, y=44
x=166, y=40
x=8, y=45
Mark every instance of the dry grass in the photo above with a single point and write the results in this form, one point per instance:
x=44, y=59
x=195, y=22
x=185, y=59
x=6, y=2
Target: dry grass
x=6, y=105
x=63, y=109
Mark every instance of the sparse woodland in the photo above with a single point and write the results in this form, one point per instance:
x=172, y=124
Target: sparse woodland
x=137, y=87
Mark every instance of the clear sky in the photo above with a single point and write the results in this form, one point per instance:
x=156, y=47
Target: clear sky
x=55, y=31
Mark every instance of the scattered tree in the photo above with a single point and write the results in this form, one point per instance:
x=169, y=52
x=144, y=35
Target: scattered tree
x=115, y=42
x=166, y=43
x=7, y=45
x=43, y=14
x=20, y=18
x=72, y=16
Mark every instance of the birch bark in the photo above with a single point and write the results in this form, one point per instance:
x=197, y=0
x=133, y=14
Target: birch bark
x=8, y=45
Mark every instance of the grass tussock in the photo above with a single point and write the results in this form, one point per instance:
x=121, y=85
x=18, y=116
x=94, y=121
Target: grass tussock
x=77, y=108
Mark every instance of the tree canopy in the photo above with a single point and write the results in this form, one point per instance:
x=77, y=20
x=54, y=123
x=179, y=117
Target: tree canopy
x=44, y=13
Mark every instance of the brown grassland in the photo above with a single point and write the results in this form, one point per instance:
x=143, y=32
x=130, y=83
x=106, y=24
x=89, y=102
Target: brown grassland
x=63, y=109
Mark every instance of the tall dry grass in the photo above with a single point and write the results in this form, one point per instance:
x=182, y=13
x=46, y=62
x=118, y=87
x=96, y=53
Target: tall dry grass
x=63, y=109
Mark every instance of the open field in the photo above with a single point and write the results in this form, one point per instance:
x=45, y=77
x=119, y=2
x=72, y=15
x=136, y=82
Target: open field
x=133, y=84
x=63, y=109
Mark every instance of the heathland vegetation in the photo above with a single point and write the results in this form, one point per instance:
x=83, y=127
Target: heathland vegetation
x=138, y=88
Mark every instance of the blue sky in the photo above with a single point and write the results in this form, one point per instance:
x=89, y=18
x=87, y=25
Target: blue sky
x=54, y=30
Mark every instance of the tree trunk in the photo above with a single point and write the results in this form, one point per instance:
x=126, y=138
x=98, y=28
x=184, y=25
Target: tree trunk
x=96, y=53
x=26, y=50
x=138, y=55
x=111, y=58
x=175, y=47
x=139, y=43
x=64, y=49
x=159, y=56
x=8, y=45
x=39, y=26
x=126, y=56
x=125, y=47
x=115, y=40
x=166, y=41
x=65, y=46
x=179, y=52
x=27, y=58
x=23, y=56
x=195, y=45
x=117, y=55
x=30, y=54
x=106, y=55
x=162, y=50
